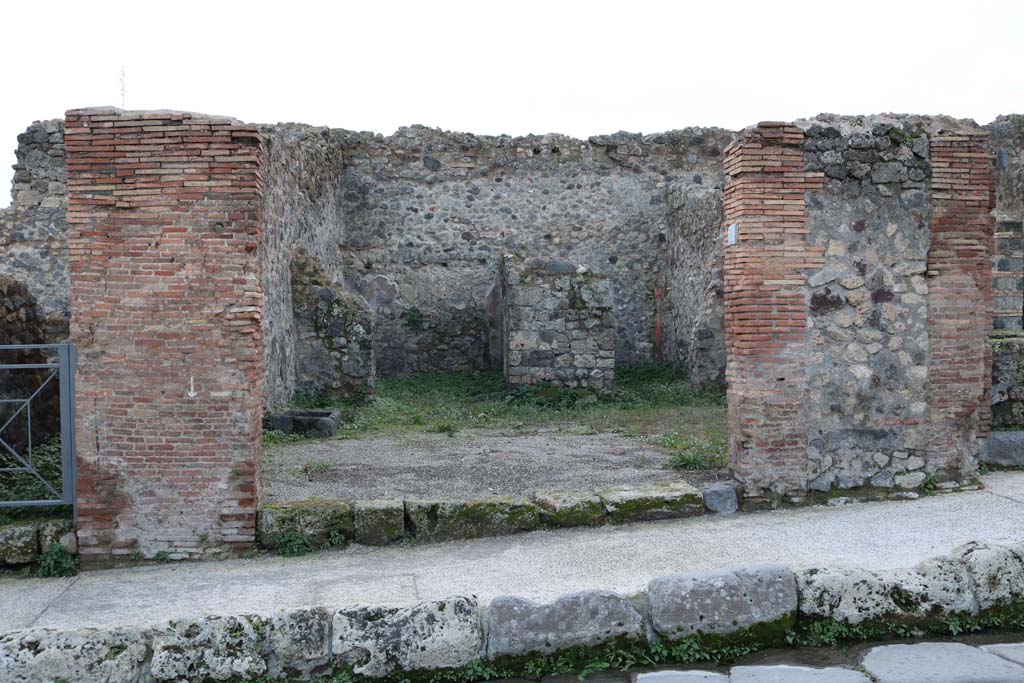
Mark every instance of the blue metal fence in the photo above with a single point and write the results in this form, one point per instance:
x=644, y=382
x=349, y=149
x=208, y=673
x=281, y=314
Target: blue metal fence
x=18, y=456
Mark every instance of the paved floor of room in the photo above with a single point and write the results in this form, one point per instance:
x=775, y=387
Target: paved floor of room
x=538, y=565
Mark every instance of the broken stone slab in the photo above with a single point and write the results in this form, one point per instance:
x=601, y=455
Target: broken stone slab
x=723, y=602
x=517, y=626
x=297, y=643
x=720, y=498
x=375, y=641
x=316, y=519
x=313, y=422
x=997, y=573
x=378, y=522
x=645, y=502
x=452, y=520
x=938, y=663
x=211, y=648
x=570, y=508
x=18, y=544
x=85, y=656
x=1005, y=449
x=795, y=674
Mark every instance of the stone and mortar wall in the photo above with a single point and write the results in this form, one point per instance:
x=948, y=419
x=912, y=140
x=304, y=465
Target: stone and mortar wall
x=858, y=302
x=557, y=324
x=33, y=229
x=691, y=302
x=757, y=606
x=428, y=215
x=164, y=215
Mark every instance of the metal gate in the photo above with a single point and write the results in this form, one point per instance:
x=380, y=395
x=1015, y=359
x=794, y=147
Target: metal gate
x=48, y=365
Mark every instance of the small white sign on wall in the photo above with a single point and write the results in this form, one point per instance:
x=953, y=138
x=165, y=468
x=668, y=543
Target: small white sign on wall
x=733, y=232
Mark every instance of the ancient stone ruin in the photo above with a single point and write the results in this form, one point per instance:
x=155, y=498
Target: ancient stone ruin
x=841, y=274
x=557, y=325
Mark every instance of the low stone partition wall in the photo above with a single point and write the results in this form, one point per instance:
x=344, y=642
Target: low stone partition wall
x=681, y=618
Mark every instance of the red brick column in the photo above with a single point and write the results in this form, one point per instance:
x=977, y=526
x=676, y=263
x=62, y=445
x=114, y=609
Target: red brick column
x=164, y=216
x=960, y=298
x=766, y=308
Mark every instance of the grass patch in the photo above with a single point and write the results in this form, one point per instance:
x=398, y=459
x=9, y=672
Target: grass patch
x=650, y=399
x=689, y=452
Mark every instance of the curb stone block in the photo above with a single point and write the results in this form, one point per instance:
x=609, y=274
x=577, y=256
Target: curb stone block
x=85, y=656
x=298, y=643
x=570, y=508
x=997, y=572
x=217, y=648
x=58, y=531
x=516, y=626
x=18, y=544
x=939, y=585
x=645, y=502
x=376, y=641
x=314, y=518
x=720, y=498
x=453, y=520
x=795, y=674
x=378, y=522
x=1005, y=449
x=721, y=602
x=850, y=596
x=938, y=663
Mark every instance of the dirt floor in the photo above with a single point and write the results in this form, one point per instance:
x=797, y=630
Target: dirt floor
x=468, y=464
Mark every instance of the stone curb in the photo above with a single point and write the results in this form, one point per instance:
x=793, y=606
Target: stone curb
x=761, y=601
x=385, y=521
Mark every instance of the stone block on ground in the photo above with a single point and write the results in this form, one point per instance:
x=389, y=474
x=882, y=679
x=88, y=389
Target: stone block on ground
x=938, y=663
x=795, y=674
x=720, y=498
x=376, y=641
x=570, y=508
x=316, y=519
x=657, y=500
x=298, y=643
x=85, y=656
x=452, y=520
x=681, y=677
x=18, y=544
x=313, y=422
x=723, y=602
x=997, y=572
x=850, y=596
x=58, y=531
x=378, y=522
x=1013, y=652
x=516, y=626
x=1005, y=449
x=211, y=648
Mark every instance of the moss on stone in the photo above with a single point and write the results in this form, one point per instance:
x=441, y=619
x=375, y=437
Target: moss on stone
x=320, y=521
x=378, y=522
x=450, y=520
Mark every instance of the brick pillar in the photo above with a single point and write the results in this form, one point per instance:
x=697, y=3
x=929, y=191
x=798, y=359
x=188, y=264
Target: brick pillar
x=164, y=217
x=766, y=308
x=960, y=298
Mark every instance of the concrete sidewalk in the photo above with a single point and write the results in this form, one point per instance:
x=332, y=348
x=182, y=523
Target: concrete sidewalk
x=538, y=565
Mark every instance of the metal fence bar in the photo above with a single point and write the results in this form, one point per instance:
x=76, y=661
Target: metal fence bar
x=66, y=357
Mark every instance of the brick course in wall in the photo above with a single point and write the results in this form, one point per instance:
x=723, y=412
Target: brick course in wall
x=164, y=219
x=960, y=298
x=765, y=307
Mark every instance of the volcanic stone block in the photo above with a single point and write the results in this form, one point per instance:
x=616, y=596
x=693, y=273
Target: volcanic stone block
x=315, y=422
x=378, y=522
x=722, y=602
x=43, y=656
x=721, y=498
x=998, y=573
x=316, y=519
x=1005, y=449
x=450, y=520
x=938, y=663
x=18, y=544
x=516, y=626
x=376, y=641
x=211, y=648
x=645, y=502
x=298, y=642
x=570, y=508
x=557, y=324
x=781, y=673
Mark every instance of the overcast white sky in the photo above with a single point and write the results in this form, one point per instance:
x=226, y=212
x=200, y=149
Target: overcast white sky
x=511, y=67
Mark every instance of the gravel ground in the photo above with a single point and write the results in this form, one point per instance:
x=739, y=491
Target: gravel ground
x=470, y=464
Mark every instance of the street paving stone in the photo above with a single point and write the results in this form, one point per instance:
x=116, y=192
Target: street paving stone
x=939, y=663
